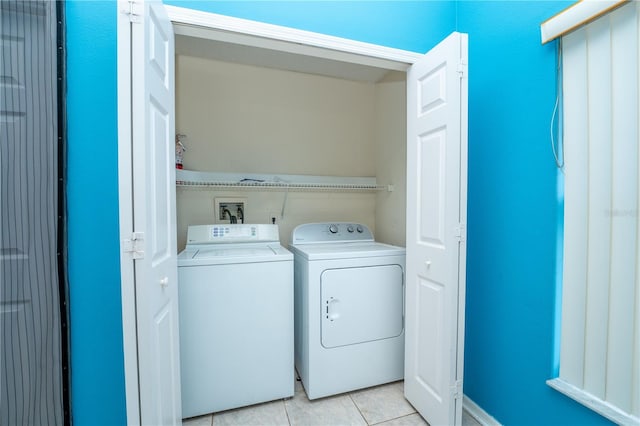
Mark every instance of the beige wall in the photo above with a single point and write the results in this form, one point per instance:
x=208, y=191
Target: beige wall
x=240, y=118
x=391, y=157
x=195, y=207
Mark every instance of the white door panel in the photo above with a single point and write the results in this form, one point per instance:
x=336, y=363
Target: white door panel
x=152, y=203
x=431, y=157
x=429, y=305
x=436, y=215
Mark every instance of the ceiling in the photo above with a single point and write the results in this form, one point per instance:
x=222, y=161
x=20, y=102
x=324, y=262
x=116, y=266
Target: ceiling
x=278, y=59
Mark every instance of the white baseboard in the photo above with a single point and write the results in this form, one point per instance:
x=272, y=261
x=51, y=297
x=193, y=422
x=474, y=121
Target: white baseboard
x=478, y=413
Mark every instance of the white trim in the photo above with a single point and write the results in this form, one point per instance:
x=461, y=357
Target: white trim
x=475, y=411
x=596, y=404
x=194, y=23
x=576, y=16
x=125, y=197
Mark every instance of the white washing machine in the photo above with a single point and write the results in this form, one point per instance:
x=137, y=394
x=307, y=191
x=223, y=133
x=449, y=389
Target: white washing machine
x=349, y=308
x=236, y=318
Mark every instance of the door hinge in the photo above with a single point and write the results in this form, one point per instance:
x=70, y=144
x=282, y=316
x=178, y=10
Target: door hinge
x=134, y=245
x=462, y=69
x=456, y=390
x=460, y=232
x=131, y=10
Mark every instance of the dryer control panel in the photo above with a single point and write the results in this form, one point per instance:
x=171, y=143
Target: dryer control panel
x=330, y=232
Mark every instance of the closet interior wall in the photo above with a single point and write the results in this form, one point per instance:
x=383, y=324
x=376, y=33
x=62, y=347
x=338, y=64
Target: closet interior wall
x=249, y=119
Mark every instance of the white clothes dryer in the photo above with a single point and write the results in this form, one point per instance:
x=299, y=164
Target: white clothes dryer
x=349, y=308
x=236, y=318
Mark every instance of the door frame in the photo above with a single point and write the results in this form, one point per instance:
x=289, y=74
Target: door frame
x=210, y=26
x=125, y=202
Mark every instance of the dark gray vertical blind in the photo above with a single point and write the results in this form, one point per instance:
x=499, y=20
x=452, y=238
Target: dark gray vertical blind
x=30, y=331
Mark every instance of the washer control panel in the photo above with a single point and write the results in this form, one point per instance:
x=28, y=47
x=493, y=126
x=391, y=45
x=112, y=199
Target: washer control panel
x=231, y=233
x=330, y=233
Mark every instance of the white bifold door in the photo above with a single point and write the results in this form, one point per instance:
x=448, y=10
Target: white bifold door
x=436, y=218
x=147, y=216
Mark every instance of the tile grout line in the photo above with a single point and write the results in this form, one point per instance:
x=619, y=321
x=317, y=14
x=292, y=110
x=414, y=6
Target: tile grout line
x=395, y=418
x=358, y=408
x=286, y=412
x=296, y=377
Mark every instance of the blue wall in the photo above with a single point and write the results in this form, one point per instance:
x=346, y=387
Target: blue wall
x=512, y=192
x=512, y=214
x=97, y=364
x=408, y=25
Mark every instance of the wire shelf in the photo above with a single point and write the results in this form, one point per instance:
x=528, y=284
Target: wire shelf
x=193, y=179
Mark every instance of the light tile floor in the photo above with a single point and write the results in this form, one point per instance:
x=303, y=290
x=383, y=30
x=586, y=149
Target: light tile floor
x=381, y=405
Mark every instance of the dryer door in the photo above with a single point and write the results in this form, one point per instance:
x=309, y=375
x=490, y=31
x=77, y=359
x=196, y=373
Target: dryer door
x=361, y=304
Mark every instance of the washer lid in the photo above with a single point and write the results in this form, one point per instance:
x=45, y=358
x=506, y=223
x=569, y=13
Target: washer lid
x=228, y=254
x=345, y=250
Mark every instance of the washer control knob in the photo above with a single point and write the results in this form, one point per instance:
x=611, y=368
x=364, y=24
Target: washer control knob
x=360, y=229
x=350, y=228
x=333, y=229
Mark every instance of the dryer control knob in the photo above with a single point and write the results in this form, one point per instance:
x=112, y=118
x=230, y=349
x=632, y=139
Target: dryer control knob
x=350, y=228
x=360, y=229
x=333, y=229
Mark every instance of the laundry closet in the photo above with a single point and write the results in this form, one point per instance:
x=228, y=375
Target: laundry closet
x=301, y=128
x=251, y=111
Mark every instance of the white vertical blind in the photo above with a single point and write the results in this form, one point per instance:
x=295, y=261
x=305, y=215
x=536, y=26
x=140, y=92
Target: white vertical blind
x=600, y=321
